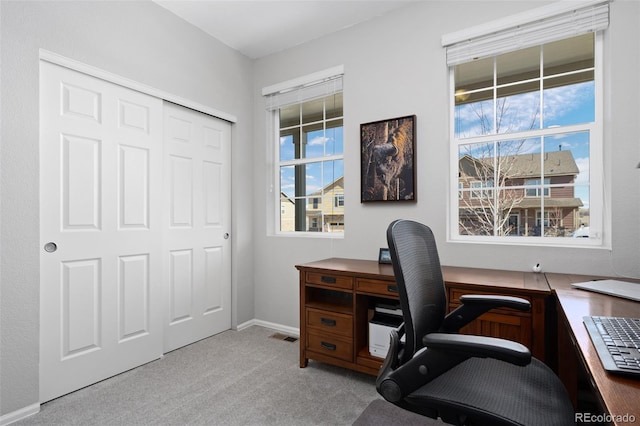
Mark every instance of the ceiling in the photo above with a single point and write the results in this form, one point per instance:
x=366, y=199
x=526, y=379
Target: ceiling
x=258, y=28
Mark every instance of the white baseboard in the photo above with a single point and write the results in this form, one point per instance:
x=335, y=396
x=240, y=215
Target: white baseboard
x=20, y=414
x=292, y=331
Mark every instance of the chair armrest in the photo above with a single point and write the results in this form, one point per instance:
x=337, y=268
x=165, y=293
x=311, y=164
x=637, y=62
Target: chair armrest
x=479, y=346
x=492, y=301
x=474, y=305
x=442, y=352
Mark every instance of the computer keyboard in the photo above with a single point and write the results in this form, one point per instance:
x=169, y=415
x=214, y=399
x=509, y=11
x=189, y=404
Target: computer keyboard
x=617, y=341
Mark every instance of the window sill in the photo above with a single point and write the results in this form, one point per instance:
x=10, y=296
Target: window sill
x=572, y=243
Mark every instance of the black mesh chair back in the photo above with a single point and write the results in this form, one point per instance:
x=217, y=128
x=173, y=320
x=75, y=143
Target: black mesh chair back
x=418, y=275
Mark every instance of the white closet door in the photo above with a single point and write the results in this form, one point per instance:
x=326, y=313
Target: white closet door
x=101, y=230
x=197, y=267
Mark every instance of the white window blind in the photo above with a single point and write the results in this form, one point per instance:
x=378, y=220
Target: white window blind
x=295, y=91
x=539, y=26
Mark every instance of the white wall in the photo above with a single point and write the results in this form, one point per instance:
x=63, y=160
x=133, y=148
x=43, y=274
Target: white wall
x=137, y=40
x=395, y=66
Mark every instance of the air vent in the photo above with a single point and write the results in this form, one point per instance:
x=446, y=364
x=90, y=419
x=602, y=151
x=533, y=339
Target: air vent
x=284, y=337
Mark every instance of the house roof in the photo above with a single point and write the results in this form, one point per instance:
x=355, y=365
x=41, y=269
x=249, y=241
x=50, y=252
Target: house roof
x=284, y=196
x=532, y=203
x=337, y=182
x=556, y=163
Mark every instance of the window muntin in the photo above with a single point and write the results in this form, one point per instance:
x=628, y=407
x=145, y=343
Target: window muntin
x=311, y=166
x=546, y=96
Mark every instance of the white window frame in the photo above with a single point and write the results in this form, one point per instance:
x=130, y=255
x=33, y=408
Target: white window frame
x=306, y=87
x=599, y=224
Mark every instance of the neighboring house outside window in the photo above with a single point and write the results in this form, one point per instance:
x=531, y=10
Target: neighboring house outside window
x=527, y=141
x=328, y=215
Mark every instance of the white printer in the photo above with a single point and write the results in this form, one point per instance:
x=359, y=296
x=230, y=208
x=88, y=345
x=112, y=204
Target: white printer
x=385, y=319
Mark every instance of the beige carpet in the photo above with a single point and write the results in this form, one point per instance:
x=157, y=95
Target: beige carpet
x=235, y=378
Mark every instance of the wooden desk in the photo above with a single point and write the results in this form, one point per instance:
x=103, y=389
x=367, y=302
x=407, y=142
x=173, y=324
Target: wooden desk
x=617, y=395
x=338, y=297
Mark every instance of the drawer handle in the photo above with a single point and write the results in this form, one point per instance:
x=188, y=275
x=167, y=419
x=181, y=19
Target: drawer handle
x=329, y=346
x=328, y=280
x=392, y=288
x=328, y=322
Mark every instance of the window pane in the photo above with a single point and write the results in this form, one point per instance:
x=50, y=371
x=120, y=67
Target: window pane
x=518, y=66
x=332, y=171
x=569, y=90
x=569, y=103
x=474, y=118
x=567, y=163
x=313, y=111
x=568, y=55
x=518, y=108
x=313, y=178
x=476, y=175
x=334, y=140
x=314, y=141
x=289, y=116
x=287, y=146
x=333, y=106
x=334, y=196
x=474, y=75
x=558, y=219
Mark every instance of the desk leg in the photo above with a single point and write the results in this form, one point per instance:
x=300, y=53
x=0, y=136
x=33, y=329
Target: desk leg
x=567, y=359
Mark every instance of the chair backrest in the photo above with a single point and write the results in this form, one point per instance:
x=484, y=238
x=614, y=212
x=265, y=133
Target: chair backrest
x=418, y=275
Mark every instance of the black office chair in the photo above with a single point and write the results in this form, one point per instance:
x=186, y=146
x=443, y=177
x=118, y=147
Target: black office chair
x=462, y=379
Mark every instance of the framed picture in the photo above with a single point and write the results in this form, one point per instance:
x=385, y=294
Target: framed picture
x=384, y=256
x=387, y=160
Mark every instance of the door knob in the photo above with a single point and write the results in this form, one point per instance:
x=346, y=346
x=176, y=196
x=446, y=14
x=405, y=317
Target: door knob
x=226, y=235
x=50, y=247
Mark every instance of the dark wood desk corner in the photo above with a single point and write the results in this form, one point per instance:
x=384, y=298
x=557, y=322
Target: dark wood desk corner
x=338, y=296
x=617, y=395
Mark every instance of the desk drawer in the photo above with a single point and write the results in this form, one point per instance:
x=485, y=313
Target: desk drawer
x=383, y=288
x=329, y=280
x=333, y=346
x=330, y=322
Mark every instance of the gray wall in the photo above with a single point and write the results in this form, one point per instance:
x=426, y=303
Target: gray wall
x=137, y=40
x=395, y=66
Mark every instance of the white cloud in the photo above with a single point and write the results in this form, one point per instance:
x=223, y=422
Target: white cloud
x=319, y=140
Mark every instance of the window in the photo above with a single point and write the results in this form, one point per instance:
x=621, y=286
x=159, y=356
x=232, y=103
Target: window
x=479, y=189
x=308, y=151
x=535, y=187
x=526, y=138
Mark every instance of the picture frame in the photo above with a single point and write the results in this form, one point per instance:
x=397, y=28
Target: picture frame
x=387, y=160
x=384, y=256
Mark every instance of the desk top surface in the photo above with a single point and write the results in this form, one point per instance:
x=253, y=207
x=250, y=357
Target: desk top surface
x=452, y=274
x=620, y=395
